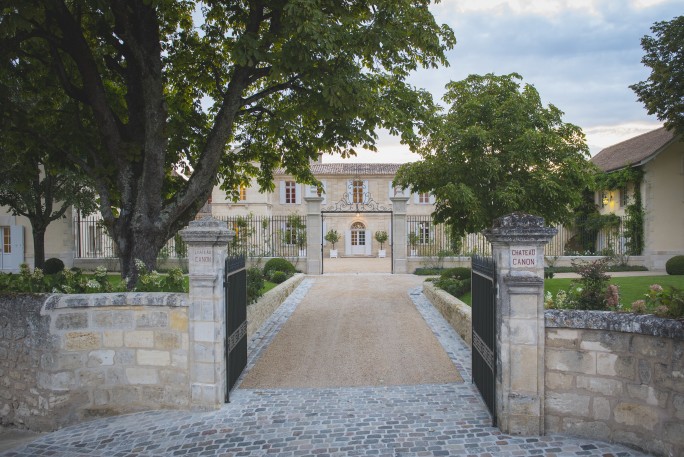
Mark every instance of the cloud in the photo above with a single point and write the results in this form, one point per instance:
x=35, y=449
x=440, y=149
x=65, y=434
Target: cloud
x=581, y=55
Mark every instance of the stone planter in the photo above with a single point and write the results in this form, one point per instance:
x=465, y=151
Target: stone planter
x=382, y=253
x=333, y=253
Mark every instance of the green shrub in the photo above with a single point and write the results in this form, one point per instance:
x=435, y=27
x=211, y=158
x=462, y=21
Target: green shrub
x=428, y=271
x=53, y=266
x=278, y=264
x=456, y=273
x=255, y=282
x=675, y=265
x=278, y=277
x=592, y=283
x=455, y=287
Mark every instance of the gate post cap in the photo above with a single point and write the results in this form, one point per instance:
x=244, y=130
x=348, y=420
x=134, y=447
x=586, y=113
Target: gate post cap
x=519, y=220
x=521, y=227
x=207, y=231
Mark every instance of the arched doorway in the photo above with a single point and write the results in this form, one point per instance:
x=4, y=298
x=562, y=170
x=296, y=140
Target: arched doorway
x=359, y=239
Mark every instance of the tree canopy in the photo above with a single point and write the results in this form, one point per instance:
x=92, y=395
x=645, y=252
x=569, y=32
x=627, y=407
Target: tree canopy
x=232, y=90
x=663, y=92
x=499, y=150
x=38, y=183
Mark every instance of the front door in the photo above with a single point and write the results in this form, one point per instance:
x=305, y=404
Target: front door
x=358, y=238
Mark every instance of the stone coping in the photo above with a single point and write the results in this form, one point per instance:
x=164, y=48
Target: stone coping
x=170, y=299
x=645, y=324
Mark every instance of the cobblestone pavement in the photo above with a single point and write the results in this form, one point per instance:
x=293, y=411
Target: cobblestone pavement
x=422, y=420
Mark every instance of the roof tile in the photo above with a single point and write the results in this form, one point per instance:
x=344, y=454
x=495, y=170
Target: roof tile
x=350, y=169
x=632, y=151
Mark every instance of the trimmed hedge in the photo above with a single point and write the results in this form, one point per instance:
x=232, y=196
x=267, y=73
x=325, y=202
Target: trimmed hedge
x=675, y=265
x=457, y=273
x=279, y=277
x=53, y=266
x=278, y=264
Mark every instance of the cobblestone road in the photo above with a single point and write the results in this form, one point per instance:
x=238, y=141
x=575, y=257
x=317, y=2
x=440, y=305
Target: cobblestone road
x=423, y=420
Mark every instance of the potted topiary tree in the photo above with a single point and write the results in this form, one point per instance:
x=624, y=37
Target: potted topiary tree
x=332, y=237
x=381, y=237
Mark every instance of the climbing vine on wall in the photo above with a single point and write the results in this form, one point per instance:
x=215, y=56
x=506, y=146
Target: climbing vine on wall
x=634, y=225
x=618, y=179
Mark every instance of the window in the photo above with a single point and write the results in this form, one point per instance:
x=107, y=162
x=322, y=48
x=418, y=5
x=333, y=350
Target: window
x=424, y=232
x=6, y=240
x=424, y=198
x=290, y=192
x=357, y=191
x=358, y=234
x=623, y=197
x=243, y=193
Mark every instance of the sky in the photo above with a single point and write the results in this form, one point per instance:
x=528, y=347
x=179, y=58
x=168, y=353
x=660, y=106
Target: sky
x=581, y=55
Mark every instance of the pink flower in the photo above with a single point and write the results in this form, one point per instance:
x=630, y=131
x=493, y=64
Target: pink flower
x=656, y=288
x=639, y=306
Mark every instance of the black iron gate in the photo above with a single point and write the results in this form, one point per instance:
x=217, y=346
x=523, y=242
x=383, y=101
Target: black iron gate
x=366, y=205
x=484, y=329
x=235, y=284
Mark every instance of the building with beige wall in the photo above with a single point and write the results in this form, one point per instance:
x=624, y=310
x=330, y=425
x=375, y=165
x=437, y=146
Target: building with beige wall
x=660, y=155
x=344, y=184
x=17, y=240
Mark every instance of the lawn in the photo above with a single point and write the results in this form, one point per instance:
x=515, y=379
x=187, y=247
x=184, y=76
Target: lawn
x=631, y=288
x=268, y=285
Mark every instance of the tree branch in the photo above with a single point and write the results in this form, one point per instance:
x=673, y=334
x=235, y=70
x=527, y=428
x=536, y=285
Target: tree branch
x=289, y=84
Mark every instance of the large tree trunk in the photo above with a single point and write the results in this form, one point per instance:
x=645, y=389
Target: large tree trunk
x=136, y=243
x=38, y=247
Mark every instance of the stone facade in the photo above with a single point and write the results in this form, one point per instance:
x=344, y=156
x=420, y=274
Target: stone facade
x=617, y=377
x=64, y=358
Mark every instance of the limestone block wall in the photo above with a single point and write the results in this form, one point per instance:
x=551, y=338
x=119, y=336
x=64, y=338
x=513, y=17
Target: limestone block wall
x=617, y=377
x=258, y=312
x=66, y=358
x=456, y=313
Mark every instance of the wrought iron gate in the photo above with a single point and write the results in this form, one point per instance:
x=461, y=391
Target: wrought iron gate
x=484, y=329
x=235, y=284
x=366, y=205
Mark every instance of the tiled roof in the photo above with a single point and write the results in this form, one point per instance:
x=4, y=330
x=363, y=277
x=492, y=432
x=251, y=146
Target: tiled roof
x=351, y=169
x=633, y=151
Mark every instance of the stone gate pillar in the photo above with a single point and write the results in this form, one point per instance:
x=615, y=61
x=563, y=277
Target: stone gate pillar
x=207, y=241
x=518, y=242
x=400, y=262
x=314, y=239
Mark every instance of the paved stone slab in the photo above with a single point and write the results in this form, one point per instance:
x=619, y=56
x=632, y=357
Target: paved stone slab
x=419, y=420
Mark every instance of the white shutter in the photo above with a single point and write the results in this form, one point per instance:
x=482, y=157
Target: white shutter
x=298, y=194
x=325, y=190
x=416, y=198
x=16, y=258
x=391, y=190
x=368, y=242
x=432, y=199
x=282, y=192
x=325, y=231
x=349, y=190
x=347, y=242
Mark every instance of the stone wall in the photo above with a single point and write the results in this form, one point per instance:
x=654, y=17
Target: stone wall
x=617, y=377
x=65, y=358
x=258, y=312
x=457, y=313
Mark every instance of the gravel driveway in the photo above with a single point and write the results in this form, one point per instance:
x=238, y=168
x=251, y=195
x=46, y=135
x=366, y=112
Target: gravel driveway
x=354, y=331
